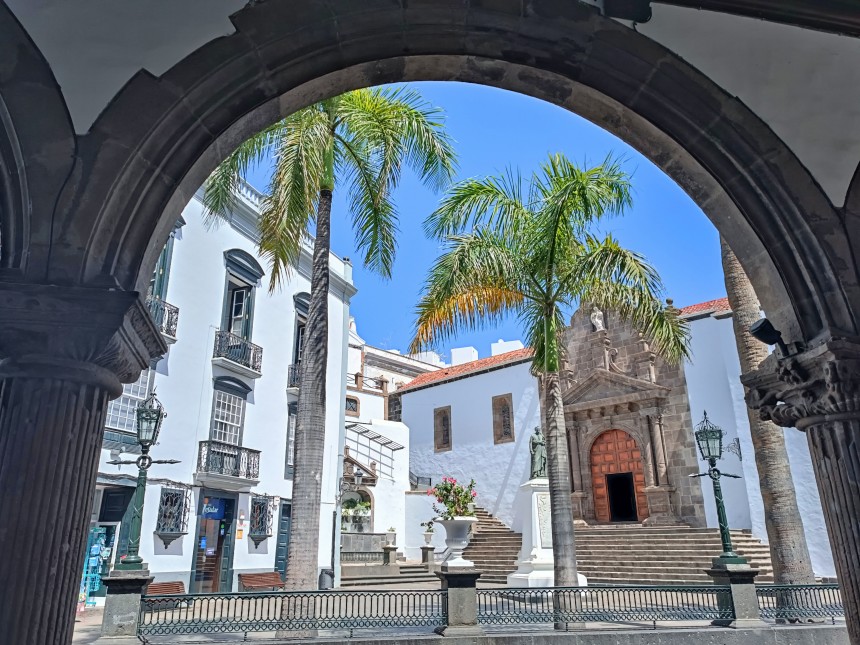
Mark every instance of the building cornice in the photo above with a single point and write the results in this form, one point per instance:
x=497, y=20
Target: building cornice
x=244, y=218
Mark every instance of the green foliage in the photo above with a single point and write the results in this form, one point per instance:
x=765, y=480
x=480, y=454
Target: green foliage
x=428, y=526
x=532, y=251
x=362, y=140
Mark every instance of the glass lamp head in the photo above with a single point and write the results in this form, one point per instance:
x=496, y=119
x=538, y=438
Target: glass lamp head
x=149, y=415
x=359, y=475
x=709, y=438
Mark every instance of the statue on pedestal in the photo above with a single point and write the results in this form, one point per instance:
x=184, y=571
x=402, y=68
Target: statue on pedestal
x=597, y=319
x=537, y=448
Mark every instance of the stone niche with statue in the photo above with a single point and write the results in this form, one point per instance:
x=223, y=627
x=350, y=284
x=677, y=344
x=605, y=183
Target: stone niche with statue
x=629, y=427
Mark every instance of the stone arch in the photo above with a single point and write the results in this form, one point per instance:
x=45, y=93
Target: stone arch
x=615, y=452
x=749, y=183
x=37, y=149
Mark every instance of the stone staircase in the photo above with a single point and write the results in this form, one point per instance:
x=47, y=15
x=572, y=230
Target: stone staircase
x=352, y=576
x=633, y=554
x=494, y=548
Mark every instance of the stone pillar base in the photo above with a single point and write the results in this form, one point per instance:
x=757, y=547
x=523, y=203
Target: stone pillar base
x=660, y=511
x=578, y=500
x=428, y=553
x=741, y=579
x=461, y=604
x=122, y=603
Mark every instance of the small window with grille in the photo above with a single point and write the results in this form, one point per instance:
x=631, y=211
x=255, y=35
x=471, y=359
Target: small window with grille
x=172, y=521
x=352, y=406
x=261, y=518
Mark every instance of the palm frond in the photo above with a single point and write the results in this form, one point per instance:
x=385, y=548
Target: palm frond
x=495, y=201
x=473, y=283
x=221, y=187
x=294, y=189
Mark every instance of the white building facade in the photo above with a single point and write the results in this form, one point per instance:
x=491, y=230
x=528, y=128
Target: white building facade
x=229, y=385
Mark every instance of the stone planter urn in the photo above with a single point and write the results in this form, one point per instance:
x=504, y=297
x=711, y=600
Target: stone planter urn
x=457, y=539
x=428, y=536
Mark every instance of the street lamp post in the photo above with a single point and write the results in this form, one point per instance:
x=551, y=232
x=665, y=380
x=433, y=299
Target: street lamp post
x=148, y=417
x=709, y=438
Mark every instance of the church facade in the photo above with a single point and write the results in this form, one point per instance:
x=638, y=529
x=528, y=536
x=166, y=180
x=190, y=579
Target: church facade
x=629, y=425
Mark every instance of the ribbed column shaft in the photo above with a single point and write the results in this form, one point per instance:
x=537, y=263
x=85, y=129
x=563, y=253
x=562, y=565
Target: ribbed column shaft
x=50, y=437
x=835, y=451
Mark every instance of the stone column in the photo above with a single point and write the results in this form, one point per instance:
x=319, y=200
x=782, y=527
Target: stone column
x=818, y=391
x=461, y=603
x=64, y=352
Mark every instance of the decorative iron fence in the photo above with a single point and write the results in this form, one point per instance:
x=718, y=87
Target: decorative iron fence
x=164, y=315
x=237, y=349
x=616, y=604
x=288, y=611
x=294, y=375
x=219, y=458
x=798, y=602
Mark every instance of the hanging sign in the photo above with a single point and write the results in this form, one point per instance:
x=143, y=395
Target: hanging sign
x=213, y=509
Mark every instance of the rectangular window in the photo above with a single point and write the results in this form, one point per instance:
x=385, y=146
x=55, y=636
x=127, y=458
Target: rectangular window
x=173, y=511
x=261, y=517
x=300, y=342
x=291, y=440
x=121, y=411
x=239, y=314
x=503, y=419
x=227, y=416
x=442, y=428
x=352, y=406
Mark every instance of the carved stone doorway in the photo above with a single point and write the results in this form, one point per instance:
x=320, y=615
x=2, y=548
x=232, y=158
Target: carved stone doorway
x=615, y=452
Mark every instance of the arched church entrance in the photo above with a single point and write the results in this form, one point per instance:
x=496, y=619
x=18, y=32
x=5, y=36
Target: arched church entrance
x=618, y=478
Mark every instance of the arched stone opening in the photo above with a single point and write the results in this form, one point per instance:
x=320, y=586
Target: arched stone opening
x=617, y=478
x=703, y=138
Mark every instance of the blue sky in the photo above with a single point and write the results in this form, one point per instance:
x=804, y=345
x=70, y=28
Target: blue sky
x=494, y=129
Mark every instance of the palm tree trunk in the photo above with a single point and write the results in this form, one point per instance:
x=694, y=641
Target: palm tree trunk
x=558, y=473
x=311, y=416
x=788, y=550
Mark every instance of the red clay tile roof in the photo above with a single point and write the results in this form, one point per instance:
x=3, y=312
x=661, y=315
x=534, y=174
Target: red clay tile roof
x=720, y=304
x=447, y=373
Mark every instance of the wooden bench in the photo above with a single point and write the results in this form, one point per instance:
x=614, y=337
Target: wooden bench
x=175, y=588
x=254, y=581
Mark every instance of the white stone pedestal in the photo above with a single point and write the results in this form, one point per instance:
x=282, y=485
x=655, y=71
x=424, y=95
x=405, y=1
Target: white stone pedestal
x=535, y=565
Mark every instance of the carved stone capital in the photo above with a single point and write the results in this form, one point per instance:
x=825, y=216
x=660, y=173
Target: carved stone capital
x=80, y=333
x=818, y=385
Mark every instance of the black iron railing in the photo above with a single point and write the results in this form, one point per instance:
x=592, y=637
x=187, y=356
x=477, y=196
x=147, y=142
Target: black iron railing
x=217, y=458
x=285, y=611
x=799, y=602
x=238, y=350
x=164, y=315
x=294, y=375
x=417, y=481
x=616, y=604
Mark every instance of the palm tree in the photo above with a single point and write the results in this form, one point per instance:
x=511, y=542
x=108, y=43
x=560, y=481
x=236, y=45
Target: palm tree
x=788, y=550
x=536, y=257
x=361, y=139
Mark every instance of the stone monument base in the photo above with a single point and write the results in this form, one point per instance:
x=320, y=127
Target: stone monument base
x=535, y=564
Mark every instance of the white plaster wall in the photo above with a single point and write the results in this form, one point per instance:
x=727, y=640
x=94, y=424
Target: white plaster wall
x=370, y=406
x=498, y=470
x=419, y=509
x=184, y=381
x=713, y=384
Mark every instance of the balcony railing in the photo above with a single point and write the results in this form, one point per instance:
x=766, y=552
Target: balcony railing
x=165, y=315
x=217, y=458
x=238, y=350
x=294, y=375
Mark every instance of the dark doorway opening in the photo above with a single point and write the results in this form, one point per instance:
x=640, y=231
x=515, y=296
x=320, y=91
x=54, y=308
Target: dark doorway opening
x=622, y=498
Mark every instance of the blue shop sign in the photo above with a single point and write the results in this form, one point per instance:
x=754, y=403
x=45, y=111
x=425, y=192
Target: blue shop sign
x=213, y=509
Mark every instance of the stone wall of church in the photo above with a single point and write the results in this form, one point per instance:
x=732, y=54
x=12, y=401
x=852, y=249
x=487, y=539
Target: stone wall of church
x=615, y=382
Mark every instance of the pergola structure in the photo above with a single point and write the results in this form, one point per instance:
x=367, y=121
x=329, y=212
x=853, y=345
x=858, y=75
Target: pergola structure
x=112, y=114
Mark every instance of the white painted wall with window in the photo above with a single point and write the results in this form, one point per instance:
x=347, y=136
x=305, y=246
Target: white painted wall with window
x=198, y=410
x=498, y=469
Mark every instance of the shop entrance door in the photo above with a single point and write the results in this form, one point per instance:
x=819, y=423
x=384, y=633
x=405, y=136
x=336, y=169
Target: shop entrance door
x=212, y=570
